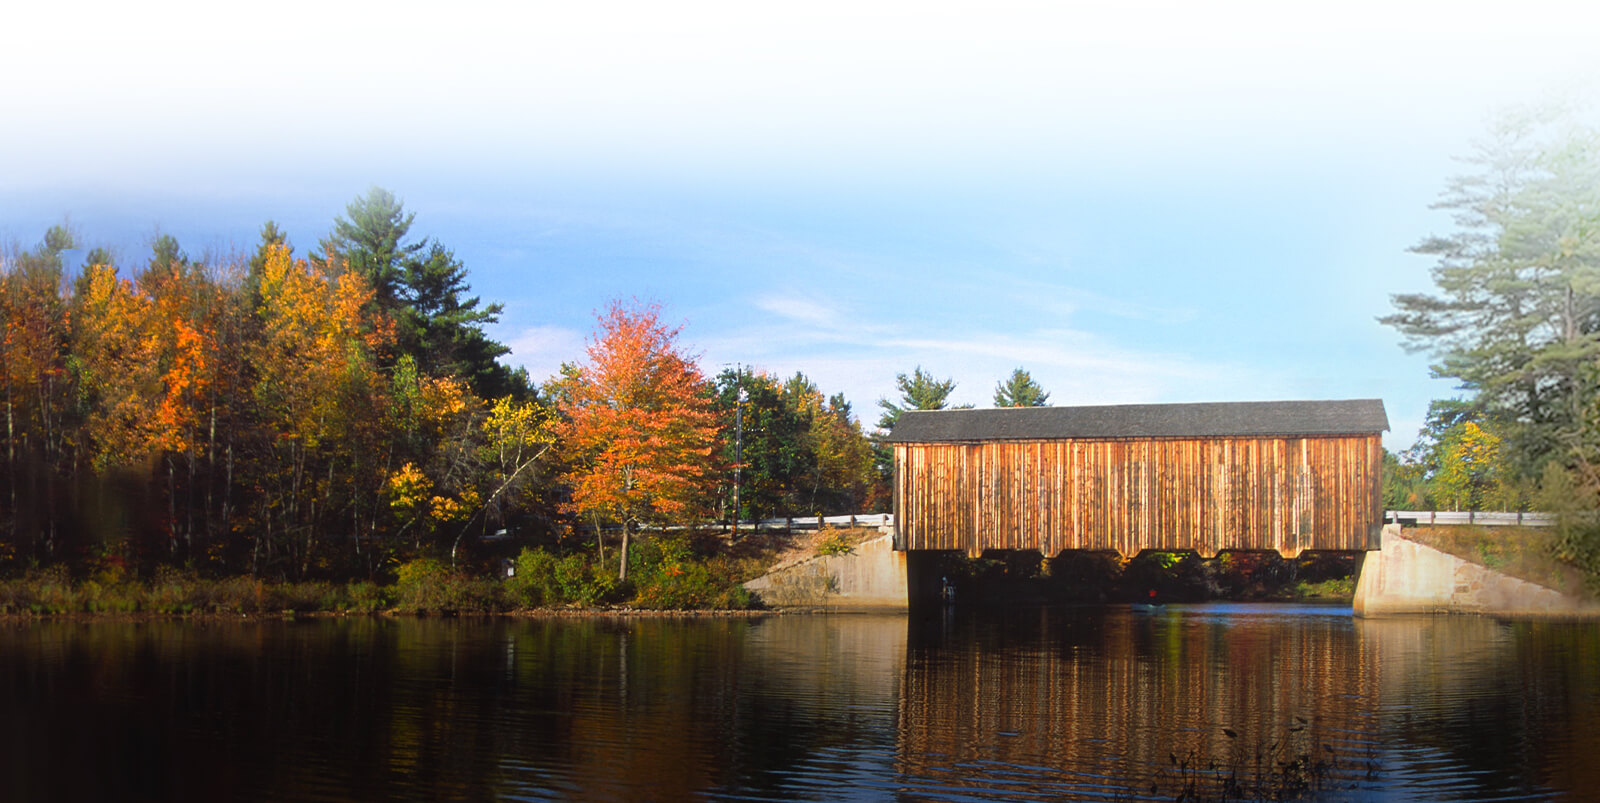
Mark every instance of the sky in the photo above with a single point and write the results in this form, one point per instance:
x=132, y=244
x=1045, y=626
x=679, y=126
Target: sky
x=1138, y=202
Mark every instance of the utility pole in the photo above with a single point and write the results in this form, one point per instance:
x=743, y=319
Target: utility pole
x=738, y=442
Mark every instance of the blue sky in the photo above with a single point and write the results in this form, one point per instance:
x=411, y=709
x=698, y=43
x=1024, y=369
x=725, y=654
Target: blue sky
x=1159, y=202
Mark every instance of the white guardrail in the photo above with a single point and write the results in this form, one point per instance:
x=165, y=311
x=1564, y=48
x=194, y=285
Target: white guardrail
x=1432, y=518
x=793, y=523
x=818, y=522
x=1409, y=518
x=815, y=522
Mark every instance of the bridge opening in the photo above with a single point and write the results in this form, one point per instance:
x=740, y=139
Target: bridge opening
x=1025, y=577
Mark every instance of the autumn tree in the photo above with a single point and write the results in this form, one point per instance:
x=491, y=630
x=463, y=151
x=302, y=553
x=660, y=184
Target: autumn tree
x=1019, y=390
x=320, y=399
x=842, y=478
x=1469, y=467
x=187, y=308
x=432, y=424
x=514, y=437
x=272, y=238
x=35, y=388
x=116, y=365
x=257, y=415
x=638, y=424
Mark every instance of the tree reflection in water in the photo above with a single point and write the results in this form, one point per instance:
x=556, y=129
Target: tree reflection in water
x=1035, y=703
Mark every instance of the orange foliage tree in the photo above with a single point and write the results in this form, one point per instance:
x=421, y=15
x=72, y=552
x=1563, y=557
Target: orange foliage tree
x=639, y=424
x=160, y=367
x=34, y=388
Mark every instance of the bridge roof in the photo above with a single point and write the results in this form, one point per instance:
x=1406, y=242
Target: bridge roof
x=1203, y=420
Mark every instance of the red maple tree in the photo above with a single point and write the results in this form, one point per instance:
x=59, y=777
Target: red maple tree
x=639, y=426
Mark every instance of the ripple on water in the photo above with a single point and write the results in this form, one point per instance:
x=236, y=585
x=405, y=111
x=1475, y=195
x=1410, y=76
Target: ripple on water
x=1081, y=704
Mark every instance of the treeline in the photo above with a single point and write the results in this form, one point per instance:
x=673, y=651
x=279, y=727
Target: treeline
x=1515, y=320
x=336, y=414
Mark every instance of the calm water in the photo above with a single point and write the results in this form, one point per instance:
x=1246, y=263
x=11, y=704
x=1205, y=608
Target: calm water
x=1084, y=703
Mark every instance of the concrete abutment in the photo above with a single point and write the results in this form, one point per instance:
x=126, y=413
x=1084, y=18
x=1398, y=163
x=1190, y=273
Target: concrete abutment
x=1402, y=577
x=1409, y=577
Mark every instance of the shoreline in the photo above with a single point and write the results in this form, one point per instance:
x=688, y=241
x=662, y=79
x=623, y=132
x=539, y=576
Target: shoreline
x=139, y=617
x=587, y=613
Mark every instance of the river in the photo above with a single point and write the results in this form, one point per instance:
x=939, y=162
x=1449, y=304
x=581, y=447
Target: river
x=1089, y=703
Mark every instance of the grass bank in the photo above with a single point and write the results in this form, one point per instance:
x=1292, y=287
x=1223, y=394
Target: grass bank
x=667, y=573
x=1526, y=553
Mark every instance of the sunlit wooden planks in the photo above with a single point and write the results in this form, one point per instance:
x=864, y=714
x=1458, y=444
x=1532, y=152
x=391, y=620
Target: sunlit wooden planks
x=1286, y=494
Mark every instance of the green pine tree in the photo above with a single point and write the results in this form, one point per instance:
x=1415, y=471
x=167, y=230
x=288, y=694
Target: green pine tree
x=371, y=240
x=920, y=391
x=1516, y=315
x=423, y=287
x=1020, y=391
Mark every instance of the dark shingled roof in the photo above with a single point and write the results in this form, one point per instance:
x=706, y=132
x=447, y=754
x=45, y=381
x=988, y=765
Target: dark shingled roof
x=1207, y=420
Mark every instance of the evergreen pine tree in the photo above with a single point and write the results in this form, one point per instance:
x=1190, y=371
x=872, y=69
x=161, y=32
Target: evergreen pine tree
x=1019, y=390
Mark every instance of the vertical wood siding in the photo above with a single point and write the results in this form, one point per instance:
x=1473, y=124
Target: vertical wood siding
x=1282, y=494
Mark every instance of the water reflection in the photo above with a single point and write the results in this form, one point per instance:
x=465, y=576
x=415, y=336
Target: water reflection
x=1085, y=703
x=1122, y=703
x=1472, y=708
x=1126, y=700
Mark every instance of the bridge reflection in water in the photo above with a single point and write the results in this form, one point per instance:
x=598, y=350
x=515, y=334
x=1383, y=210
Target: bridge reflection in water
x=1097, y=702
x=1065, y=703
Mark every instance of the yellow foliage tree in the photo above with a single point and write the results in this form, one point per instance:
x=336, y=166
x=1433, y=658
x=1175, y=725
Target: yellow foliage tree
x=319, y=396
x=1469, y=467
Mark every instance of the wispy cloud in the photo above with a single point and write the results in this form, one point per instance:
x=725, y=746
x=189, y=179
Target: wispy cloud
x=542, y=349
x=1067, y=301
x=799, y=310
x=849, y=351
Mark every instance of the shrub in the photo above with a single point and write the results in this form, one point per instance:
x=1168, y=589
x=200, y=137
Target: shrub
x=95, y=597
x=1343, y=588
x=1577, y=532
x=235, y=595
x=48, y=591
x=836, y=544
x=671, y=577
x=172, y=591
x=676, y=587
x=366, y=597
x=544, y=580
x=533, y=585
x=427, y=585
x=582, y=582
x=303, y=597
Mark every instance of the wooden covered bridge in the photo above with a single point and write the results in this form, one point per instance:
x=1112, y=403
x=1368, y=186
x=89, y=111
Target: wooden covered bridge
x=1284, y=476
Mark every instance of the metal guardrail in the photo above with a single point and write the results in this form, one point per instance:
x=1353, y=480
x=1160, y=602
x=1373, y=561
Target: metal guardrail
x=1408, y=518
x=784, y=524
x=1434, y=518
x=816, y=522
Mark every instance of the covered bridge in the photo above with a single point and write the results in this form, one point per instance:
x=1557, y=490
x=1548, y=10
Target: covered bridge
x=1285, y=476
